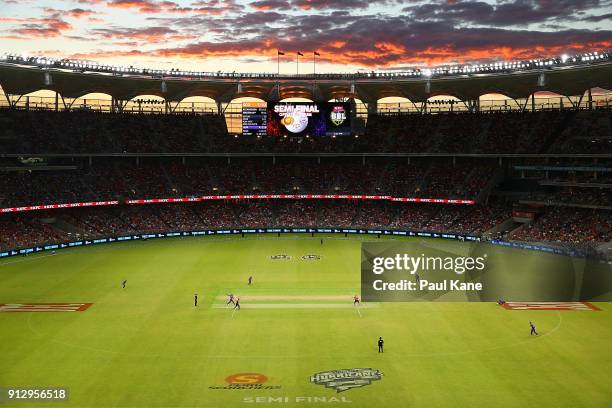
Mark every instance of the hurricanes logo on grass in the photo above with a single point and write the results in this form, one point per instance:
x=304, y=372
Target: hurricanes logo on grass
x=345, y=379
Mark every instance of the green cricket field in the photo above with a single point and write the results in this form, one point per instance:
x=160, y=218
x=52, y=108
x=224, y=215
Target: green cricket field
x=297, y=340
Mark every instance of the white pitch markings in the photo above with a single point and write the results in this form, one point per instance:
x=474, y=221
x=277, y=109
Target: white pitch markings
x=294, y=306
x=548, y=306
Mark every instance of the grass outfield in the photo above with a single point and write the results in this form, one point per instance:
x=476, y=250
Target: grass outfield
x=147, y=346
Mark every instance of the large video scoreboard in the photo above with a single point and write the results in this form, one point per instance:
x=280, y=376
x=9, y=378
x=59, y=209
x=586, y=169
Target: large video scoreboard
x=254, y=118
x=280, y=119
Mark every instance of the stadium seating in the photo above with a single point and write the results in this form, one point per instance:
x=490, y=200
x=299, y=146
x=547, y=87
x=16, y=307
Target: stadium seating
x=158, y=178
x=84, y=179
x=556, y=225
x=501, y=132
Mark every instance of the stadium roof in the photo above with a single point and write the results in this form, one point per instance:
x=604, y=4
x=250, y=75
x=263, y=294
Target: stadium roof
x=17, y=79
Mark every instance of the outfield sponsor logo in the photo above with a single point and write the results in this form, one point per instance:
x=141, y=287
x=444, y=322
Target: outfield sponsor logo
x=246, y=381
x=44, y=307
x=283, y=257
x=311, y=257
x=345, y=379
x=550, y=306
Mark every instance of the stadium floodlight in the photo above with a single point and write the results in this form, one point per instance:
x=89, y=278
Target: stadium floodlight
x=444, y=70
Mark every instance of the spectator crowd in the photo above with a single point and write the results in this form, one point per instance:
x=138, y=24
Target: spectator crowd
x=568, y=131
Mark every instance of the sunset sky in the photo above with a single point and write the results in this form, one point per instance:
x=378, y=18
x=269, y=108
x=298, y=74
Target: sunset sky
x=243, y=35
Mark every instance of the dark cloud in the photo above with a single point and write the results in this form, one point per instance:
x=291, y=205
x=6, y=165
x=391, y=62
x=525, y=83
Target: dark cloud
x=597, y=19
x=345, y=32
x=319, y=4
x=265, y=5
x=379, y=41
x=503, y=13
x=216, y=7
x=332, y=4
x=148, y=6
x=147, y=35
x=210, y=7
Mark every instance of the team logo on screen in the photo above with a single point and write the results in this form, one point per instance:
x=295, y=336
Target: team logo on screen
x=338, y=115
x=345, y=379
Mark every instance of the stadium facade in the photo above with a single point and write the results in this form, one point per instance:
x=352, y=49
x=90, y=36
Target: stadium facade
x=572, y=79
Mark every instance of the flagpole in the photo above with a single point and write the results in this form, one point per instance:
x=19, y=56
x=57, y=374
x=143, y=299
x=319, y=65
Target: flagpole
x=314, y=73
x=278, y=54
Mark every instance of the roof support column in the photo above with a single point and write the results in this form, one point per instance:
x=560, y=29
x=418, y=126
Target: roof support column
x=56, y=102
x=574, y=105
x=524, y=107
x=579, y=102
x=473, y=105
x=590, y=99
x=372, y=108
x=6, y=96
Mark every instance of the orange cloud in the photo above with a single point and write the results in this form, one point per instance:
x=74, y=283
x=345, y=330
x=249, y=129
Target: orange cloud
x=377, y=57
x=36, y=27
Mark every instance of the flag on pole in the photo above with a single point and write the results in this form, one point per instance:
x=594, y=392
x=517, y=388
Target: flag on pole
x=300, y=54
x=281, y=53
x=317, y=54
